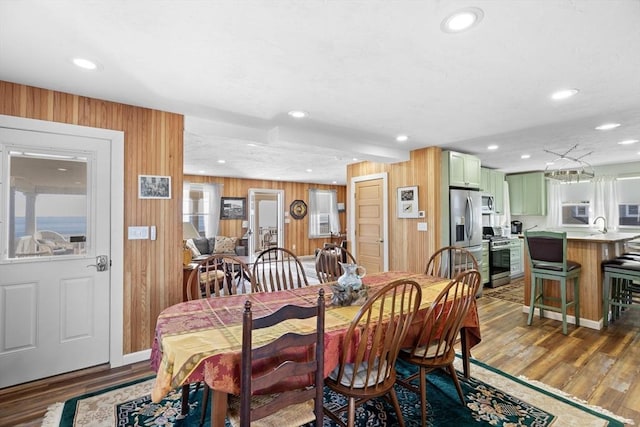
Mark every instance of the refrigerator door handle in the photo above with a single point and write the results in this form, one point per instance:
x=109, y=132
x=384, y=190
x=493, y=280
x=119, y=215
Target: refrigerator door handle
x=472, y=226
x=468, y=219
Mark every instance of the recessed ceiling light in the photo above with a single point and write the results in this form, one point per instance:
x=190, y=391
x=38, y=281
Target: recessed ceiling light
x=402, y=138
x=334, y=182
x=85, y=64
x=462, y=20
x=200, y=171
x=251, y=144
x=628, y=141
x=309, y=170
x=355, y=159
x=298, y=114
x=62, y=169
x=492, y=147
x=608, y=126
x=525, y=156
x=564, y=94
x=222, y=161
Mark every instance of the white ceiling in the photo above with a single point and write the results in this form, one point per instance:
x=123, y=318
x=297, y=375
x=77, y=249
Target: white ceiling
x=364, y=71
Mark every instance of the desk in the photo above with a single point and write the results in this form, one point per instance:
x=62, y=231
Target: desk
x=201, y=340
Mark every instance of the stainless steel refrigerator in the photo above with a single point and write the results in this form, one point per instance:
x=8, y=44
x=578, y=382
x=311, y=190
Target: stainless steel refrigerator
x=465, y=208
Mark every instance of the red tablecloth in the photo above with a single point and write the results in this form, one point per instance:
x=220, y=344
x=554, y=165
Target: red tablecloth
x=202, y=339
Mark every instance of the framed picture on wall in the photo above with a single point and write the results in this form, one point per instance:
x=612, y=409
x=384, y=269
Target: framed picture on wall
x=408, y=202
x=154, y=187
x=233, y=208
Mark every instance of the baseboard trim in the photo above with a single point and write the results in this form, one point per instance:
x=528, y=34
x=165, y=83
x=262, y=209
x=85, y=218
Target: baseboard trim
x=587, y=323
x=139, y=356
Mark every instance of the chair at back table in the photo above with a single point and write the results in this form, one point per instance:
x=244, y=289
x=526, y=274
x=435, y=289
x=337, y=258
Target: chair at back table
x=328, y=261
x=548, y=261
x=433, y=348
x=217, y=275
x=449, y=261
x=366, y=368
x=295, y=405
x=277, y=269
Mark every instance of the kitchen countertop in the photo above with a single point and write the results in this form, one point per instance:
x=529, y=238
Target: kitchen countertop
x=597, y=236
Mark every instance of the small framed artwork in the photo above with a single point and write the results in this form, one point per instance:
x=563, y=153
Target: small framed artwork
x=233, y=208
x=408, y=202
x=154, y=187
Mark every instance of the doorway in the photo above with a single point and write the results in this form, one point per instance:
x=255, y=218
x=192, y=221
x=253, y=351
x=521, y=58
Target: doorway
x=266, y=219
x=56, y=222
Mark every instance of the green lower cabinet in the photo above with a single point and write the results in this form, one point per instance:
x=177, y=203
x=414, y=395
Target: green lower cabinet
x=484, y=269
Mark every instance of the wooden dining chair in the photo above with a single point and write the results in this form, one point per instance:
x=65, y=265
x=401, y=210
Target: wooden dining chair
x=217, y=275
x=299, y=355
x=278, y=269
x=328, y=261
x=433, y=348
x=449, y=261
x=366, y=366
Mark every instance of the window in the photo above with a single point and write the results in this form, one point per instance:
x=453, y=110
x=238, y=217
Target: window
x=629, y=215
x=323, y=213
x=575, y=213
x=629, y=204
x=48, y=204
x=201, y=207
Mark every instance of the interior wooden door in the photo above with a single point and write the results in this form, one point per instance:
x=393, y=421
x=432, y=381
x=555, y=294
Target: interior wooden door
x=369, y=220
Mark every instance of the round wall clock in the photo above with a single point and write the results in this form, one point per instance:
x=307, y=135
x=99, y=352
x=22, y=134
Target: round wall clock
x=298, y=209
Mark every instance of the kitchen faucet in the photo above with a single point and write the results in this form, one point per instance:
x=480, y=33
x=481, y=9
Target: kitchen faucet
x=604, y=220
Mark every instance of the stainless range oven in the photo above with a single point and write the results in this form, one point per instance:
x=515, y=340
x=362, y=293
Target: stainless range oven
x=499, y=261
x=499, y=256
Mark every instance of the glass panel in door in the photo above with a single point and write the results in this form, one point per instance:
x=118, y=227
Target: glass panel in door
x=47, y=205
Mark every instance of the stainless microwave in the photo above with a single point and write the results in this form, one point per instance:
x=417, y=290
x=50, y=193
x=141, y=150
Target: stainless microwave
x=488, y=203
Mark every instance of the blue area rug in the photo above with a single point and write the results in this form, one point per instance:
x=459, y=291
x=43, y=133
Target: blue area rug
x=493, y=398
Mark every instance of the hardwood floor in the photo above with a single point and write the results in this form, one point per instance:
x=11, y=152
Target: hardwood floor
x=600, y=367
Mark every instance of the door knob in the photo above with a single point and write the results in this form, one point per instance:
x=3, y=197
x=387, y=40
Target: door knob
x=102, y=263
x=380, y=241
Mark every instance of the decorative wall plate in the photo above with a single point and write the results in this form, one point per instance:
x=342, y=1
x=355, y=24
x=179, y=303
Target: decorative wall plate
x=298, y=209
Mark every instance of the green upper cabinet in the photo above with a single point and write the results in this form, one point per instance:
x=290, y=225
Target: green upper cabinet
x=527, y=193
x=464, y=170
x=493, y=183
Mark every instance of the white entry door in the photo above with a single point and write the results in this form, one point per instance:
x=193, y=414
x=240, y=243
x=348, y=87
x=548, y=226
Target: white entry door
x=55, y=254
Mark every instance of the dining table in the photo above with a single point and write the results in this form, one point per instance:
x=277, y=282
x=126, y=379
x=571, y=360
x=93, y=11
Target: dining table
x=201, y=340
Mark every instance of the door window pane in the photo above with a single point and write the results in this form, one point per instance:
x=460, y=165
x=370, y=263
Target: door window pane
x=47, y=205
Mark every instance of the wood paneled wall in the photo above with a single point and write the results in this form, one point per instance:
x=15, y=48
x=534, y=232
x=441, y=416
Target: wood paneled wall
x=410, y=249
x=153, y=146
x=296, y=232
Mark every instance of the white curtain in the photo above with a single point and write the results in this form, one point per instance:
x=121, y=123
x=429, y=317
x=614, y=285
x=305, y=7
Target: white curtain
x=554, y=198
x=314, y=212
x=212, y=194
x=605, y=200
x=334, y=217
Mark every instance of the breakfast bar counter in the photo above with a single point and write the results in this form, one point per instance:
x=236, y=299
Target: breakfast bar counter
x=588, y=248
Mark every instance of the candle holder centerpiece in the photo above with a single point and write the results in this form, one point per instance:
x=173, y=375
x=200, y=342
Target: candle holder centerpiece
x=349, y=290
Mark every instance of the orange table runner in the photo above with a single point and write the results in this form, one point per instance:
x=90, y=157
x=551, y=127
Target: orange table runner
x=202, y=339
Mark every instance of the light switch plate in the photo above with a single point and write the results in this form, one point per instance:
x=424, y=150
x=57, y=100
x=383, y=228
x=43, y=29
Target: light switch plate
x=422, y=226
x=138, y=233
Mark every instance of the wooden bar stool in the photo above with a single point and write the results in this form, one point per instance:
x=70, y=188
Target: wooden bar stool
x=548, y=261
x=618, y=288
